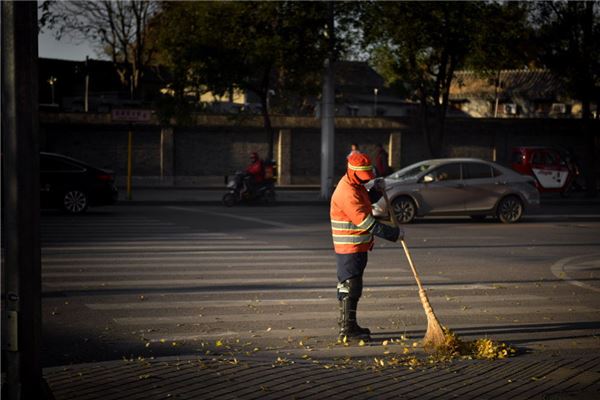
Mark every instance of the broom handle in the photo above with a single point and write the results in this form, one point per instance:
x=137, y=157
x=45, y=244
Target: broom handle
x=395, y=223
x=422, y=294
x=412, y=266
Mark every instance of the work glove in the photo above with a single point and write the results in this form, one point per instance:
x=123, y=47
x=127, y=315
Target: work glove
x=391, y=233
x=379, y=185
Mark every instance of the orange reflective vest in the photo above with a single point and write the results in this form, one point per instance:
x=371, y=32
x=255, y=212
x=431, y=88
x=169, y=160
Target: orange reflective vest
x=351, y=218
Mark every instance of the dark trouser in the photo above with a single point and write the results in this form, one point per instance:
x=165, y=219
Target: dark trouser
x=350, y=268
x=351, y=265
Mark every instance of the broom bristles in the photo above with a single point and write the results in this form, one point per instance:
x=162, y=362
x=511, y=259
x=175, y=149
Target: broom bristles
x=434, y=336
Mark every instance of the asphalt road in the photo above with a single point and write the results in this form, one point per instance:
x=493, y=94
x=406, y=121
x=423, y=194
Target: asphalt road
x=144, y=281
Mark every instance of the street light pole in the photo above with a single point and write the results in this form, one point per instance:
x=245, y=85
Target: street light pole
x=328, y=114
x=52, y=80
x=87, y=85
x=21, y=307
x=375, y=91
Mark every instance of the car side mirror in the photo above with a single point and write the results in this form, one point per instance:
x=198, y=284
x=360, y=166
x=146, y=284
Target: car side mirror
x=428, y=178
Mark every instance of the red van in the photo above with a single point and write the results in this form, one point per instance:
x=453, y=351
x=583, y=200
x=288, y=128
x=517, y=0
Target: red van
x=552, y=172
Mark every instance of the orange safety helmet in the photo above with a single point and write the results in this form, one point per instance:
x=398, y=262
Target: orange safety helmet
x=360, y=169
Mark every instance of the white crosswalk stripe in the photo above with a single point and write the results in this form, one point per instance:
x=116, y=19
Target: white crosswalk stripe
x=179, y=284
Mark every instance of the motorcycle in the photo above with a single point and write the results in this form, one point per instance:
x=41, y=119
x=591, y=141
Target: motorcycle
x=241, y=189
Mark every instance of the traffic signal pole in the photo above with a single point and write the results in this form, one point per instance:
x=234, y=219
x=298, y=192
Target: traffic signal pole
x=21, y=314
x=328, y=114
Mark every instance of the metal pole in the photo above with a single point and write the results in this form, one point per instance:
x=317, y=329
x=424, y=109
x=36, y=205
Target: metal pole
x=21, y=314
x=87, y=85
x=52, y=81
x=496, y=94
x=129, y=161
x=328, y=116
x=375, y=101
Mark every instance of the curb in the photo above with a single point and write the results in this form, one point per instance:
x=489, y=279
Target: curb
x=542, y=376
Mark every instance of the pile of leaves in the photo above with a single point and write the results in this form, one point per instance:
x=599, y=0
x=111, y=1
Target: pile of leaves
x=480, y=349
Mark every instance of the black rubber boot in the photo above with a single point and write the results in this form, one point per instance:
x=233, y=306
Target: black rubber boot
x=349, y=328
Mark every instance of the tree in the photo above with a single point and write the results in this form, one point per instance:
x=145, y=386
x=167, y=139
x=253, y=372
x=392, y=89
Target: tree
x=418, y=46
x=568, y=34
x=118, y=28
x=504, y=40
x=268, y=48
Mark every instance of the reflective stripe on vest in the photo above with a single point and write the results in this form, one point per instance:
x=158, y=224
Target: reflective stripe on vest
x=349, y=226
x=352, y=239
x=346, y=233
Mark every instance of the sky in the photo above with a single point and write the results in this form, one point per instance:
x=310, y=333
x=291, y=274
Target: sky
x=65, y=49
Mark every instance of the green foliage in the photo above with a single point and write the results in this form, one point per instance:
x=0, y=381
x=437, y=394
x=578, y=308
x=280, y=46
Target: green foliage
x=257, y=46
x=417, y=46
x=568, y=34
x=273, y=49
x=504, y=40
x=171, y=109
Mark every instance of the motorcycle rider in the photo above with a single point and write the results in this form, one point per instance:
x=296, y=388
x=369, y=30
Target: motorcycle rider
x=353, y=227
x=255, y=174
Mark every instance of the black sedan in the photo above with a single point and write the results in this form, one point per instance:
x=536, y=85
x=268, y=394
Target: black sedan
x=73, y=185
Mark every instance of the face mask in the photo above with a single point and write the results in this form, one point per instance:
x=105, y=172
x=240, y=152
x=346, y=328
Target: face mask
x=361, y=181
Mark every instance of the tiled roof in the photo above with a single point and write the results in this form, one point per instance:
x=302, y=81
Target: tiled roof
x=357, y=76
x=531, y=84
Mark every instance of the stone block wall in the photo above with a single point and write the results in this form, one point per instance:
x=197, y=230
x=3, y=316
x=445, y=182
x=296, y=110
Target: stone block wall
x=205, y=153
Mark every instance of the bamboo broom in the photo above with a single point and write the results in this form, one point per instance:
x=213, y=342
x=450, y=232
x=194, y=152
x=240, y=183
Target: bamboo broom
x=434, y=336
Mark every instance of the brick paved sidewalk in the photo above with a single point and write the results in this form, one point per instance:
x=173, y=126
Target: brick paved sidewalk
x=530, y=376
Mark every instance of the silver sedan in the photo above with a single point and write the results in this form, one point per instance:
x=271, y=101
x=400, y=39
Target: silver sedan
x=457, y=186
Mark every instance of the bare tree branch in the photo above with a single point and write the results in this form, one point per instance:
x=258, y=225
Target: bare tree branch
x=116, y=28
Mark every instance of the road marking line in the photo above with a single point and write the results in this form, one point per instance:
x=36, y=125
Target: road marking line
x=262, y=259
x=365, y=302
x=249, y=254
x=558, y=269
x=331, y=332
x=328, y=291
x=242, y=218
x=563, y=216
x=247, y=245
x=203, y=272
x=332, y=314
x=153, y=243
x=214, y=282
x=158, y=235
x=201, y=265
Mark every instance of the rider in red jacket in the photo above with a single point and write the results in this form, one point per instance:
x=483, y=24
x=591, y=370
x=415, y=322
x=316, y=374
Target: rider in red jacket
x=255, y=174
x=256, y=168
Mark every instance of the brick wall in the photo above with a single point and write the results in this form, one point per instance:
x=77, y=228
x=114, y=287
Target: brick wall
x=203, y=154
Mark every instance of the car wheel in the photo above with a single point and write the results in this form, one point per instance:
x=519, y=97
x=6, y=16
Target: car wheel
x=510, y=209
x=405, y=209
x=229, y=199
x=75, y=201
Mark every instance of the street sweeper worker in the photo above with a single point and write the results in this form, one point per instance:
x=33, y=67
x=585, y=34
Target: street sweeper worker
x=353, y=227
